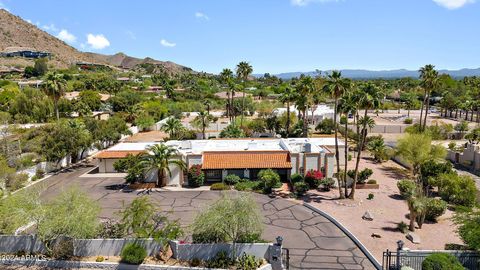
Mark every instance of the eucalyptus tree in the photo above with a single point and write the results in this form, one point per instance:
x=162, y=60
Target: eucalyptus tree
x=429, y=82
x=54, y=86
x=335, y=85
x=244, y=69
x=369, y=97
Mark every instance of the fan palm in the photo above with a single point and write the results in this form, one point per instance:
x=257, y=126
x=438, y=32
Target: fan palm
x=368, y=98
x=173, y=127
x=226, y=78
x=202, y=121
x=159, y=158
x=305, y=89
x=429, y=81
x=346, y=106
x=288, y=95
x=244, y=69
x=336, y=86
x=54, y=86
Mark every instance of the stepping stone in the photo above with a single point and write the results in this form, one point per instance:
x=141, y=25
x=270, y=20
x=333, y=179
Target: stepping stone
x=367, y=216
x=413, y=237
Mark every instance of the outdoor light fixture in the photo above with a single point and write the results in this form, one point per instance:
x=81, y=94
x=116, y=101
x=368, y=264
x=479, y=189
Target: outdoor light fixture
x=279, y=240
x=400, y=244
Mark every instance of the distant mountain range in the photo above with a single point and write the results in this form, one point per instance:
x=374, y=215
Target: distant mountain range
x=381, y=74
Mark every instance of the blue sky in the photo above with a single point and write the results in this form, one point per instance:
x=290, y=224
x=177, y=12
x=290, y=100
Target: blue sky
x=273, y=35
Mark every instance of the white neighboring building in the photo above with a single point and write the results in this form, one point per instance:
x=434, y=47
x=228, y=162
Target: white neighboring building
x=243, y=157
x=321, y=112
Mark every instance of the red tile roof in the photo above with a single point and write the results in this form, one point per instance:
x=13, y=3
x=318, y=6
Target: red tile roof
x=247, y=160
x=116, y=154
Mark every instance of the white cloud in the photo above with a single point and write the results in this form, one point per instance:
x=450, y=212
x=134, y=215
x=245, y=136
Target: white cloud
x=130, y=34
x=66, y=36
x=201, y=15
x=302, y=3
x=167, y=44
x=97, y=41
x=453, y=4
x=50, y=27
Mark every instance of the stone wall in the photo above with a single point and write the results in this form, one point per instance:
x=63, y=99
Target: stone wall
x=208, y=251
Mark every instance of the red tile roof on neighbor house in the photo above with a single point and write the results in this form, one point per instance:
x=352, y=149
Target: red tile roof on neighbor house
x=116, y=154
x=247, y=160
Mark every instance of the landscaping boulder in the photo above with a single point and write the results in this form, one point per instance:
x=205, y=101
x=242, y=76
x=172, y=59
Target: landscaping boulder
x=413, y=237
x=367, y=216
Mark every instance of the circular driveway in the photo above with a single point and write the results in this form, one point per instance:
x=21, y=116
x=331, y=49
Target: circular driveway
x=313, y=241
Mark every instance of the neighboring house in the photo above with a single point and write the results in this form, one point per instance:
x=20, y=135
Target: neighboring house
x=319, y=113
x=470, y=157
x=243, y=157
x=24, y=52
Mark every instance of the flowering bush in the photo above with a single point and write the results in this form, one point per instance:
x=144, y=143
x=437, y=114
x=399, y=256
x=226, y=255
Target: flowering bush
x=312, y=178
x=195, y=176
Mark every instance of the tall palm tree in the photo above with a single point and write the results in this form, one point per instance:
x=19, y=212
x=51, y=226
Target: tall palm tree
x=202, y=121
x=346, y=106
x=244, y=69
x=429, y=81
x=226, y=78
x=336, y=86
x=305, y=89
x=369, y=98
x=173, y=127
x=288, y=95
x=159, y=158
x=54, y=86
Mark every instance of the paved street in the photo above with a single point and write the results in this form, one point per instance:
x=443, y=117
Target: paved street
x=313, y=241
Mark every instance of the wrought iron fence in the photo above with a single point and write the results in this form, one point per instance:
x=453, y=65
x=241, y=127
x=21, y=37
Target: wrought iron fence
x=286, y=258
x=413, y=259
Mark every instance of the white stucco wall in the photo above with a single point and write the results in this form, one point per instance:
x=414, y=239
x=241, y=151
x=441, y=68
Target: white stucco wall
x=311, y=163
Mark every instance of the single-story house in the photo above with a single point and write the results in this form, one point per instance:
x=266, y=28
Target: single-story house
x=243, y=157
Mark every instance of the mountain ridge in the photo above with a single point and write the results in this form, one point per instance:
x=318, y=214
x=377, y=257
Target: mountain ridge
x=16, y=32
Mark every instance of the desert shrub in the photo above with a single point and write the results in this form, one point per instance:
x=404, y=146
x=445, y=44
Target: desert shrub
x=469, y=227
x=250, y=238
x=62, y=248
x=372, y=182
x=195, y=176
x=208, y=237
x=452, y=145
x=407, y=188
x=408, y=121
x=39, y=173
x=326, y=126
x=441, y=261
x=363, y=175
x=300, y=188
x=402, y=227
x=221, y=260
x=232, y=179
x=327, y=183
x=435, y=208
x=195, y=262
x=270, y=180
x=343, y=120
x=296, y=178
x=248, y=262
x=219, y=186
x=370, y=196
x=133, y=253
x=248, y=186
x=16, y=181
x=457, y=189
x=99, y=259
x=313, y=178
x=111, y=229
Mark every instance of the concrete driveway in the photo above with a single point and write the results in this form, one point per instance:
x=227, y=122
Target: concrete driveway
x=313, y=241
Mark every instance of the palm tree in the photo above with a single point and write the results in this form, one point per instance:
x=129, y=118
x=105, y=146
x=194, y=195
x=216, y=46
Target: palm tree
x=336, y=86
x=54, y=86
x=369, y=98
x=202, y=121
x=288, y=95
x=159, y=158
x=305, y=89
x=173, y=127
x=429, y=81
x=226, y=78
x=346, y=106
x=244, y=69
